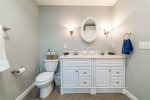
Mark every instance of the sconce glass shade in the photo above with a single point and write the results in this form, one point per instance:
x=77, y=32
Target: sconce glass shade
x=71, y=32
x=106, y=32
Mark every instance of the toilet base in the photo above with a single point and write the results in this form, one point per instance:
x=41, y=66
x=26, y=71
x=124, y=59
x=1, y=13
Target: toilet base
x=45, y=91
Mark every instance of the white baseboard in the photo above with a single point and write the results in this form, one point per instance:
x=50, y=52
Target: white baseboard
x=90, y=90
x=130, y=95
x=20, y=97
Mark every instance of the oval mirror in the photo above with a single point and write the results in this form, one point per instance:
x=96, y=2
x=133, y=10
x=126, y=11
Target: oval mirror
x=89, y=29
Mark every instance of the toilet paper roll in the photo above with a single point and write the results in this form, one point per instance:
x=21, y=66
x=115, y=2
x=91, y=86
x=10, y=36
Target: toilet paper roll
x=21, y=70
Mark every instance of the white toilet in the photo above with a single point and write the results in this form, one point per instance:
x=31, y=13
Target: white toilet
x=44, y=81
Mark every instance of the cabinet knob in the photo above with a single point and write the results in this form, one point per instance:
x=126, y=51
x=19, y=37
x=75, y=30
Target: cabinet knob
x=84, y=82
x=109, y=70
x=84, y=72
x=117, y=82
x=117, y=72
x=76, y=71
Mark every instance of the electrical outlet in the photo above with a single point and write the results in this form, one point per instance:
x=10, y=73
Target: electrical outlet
x=65, y=46
x=113, y=45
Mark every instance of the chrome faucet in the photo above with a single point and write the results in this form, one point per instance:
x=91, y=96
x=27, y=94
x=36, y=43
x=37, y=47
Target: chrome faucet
x=102, y=52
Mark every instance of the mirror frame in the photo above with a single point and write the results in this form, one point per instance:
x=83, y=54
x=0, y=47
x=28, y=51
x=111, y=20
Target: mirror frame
x=92, y=39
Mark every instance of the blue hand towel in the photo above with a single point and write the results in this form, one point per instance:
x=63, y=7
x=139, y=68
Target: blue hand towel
x=127, y=47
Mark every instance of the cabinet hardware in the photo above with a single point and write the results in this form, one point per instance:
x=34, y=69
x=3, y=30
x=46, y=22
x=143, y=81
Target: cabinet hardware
x=117, y=82
x=117, y=72
x=84, y=72
x=109, y=70
x=76, y=71
x=84, y=82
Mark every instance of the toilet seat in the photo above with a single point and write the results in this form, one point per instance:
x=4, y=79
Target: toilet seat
x=45, y=77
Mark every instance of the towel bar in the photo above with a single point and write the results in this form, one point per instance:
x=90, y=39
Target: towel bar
x=6, y=28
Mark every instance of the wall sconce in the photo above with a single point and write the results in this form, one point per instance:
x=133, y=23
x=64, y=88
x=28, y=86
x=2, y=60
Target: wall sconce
x=71, y=32
x=106, y=32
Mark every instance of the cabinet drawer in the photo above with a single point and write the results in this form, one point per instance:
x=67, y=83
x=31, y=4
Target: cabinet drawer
x=117, y=71
x=85, y=71
x=109, y=62
x=117, y=81
x=77, y=62
x=85, y=82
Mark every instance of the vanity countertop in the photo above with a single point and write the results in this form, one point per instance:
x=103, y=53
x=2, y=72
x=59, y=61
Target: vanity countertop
x=91, y=56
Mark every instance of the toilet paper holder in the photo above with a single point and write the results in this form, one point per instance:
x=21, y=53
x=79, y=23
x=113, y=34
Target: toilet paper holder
x=20, y=70
x=14, y=71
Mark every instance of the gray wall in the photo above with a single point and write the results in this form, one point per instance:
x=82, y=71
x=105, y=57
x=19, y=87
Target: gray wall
x=134, y=16
x=54, y=33
x=21, y=45
x=22, y=41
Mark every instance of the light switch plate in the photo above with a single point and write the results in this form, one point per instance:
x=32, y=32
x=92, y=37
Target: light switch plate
x=144, y=45
x=113, y=45
x=148, y=44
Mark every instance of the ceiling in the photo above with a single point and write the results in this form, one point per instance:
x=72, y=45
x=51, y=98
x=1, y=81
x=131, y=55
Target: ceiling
x=77, y=2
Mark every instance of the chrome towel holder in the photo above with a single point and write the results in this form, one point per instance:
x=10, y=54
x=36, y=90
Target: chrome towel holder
x=127, y=34
x=6, y=28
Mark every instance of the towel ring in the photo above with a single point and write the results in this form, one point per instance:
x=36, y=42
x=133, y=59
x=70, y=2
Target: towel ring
x=127, y=34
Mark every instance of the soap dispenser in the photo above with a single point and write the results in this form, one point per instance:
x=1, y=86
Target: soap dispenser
x=49, y=52
x=92, y=51
x=84, y=51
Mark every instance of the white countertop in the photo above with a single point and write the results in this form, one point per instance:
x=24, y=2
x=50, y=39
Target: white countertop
x=91, y=56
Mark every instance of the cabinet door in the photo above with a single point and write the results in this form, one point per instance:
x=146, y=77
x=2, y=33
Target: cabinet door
x=102, y=76
x=70, y=76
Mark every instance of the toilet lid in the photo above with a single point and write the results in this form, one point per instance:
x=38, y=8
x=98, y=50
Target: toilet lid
x=44, y=76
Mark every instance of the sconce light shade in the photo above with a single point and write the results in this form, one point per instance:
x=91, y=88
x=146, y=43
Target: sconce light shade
x=106, y=32
x=71, y=32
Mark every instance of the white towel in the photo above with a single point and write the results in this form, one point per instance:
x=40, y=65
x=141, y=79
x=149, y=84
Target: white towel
x=4, y=65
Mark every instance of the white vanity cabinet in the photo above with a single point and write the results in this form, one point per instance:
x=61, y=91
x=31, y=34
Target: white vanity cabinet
x=91, y=74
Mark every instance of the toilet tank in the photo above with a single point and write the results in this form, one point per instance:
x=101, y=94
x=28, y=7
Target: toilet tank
x=51, y=65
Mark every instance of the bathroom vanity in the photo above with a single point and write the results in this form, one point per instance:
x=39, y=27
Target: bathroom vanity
x=92, y=73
